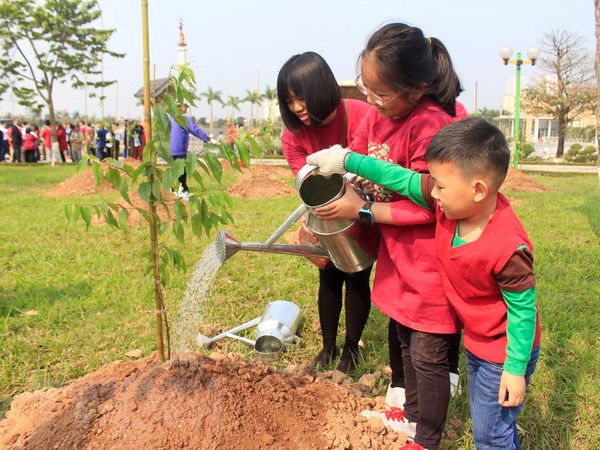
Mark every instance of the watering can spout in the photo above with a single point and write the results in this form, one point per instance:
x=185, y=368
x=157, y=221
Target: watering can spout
x=229, y=246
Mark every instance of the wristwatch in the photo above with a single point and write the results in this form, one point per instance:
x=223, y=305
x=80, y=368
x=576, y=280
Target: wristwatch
x=365, y=215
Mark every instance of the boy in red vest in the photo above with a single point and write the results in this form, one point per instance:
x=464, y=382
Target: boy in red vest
x=484, y=258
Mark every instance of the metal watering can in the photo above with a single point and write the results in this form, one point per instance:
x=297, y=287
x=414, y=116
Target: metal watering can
x=275, y=330
x=351, y=245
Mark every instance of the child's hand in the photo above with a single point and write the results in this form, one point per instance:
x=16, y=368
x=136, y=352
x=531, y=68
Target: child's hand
x=345, y=208
x=512, y=390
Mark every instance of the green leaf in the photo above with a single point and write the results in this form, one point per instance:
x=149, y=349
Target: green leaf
x=86, y=216
x=144, y=214
x=82, y=164
x=156, y=190
x=144, y=189
x=197, y=225
x=215, y=166
x=124, y=220
x=137, y=172
x=164, y=226
x=167, y=180
x=114, y=177
x=254, y=145
x=244, y=155
x=178, y=231
x=97, y=171
x=124, y=190
x=110, y=219
x=162, y=119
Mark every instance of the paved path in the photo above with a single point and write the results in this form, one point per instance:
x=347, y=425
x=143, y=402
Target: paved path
x=557, y=168
x=529, y=167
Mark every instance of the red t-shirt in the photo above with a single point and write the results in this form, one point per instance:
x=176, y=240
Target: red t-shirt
x=407, y=286
x=46, y=135
x=307, y=140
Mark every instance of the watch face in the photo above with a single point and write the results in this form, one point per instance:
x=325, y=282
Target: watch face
x=365, y=216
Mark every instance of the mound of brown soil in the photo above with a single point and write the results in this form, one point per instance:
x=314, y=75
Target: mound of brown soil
x=85, y=183
x=80, y=184
x=263, y=181
x=202, y=403
x=517, y=180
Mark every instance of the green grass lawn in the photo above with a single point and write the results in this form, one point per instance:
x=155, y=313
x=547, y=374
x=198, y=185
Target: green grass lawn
x=73, y=300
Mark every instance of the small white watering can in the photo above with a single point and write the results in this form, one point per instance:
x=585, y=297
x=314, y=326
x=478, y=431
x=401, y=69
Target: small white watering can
x=275, y=330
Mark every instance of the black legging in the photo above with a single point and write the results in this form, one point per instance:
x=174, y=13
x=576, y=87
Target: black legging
x=357, y=304
x=397, y=363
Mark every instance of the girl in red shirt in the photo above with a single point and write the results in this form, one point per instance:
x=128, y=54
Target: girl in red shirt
x=316, y=117
x=410, y=81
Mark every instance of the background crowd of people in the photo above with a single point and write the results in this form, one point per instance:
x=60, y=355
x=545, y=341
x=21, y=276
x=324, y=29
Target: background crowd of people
x=31, y=142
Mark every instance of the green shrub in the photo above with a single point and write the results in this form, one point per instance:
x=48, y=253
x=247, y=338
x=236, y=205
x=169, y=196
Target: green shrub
x=526, y=150
x=578, y=154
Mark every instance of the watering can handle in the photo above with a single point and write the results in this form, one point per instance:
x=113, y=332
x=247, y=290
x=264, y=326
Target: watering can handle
x=287, y=224
x=295, y=340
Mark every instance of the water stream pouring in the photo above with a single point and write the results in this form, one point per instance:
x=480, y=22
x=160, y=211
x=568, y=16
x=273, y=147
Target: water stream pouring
x=275, y=330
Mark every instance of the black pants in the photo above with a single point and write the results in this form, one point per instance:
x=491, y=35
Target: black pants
x=397, y=364
x=29, y=156
x=426, y=367
x=357, y=304
x=16, y=157
x=183, y=176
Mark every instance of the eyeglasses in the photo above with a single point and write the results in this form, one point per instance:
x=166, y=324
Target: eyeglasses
x=376, y=98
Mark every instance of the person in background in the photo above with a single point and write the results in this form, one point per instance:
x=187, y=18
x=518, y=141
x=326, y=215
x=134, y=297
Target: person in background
x=46, y=135
x=16, y=139
x=137, y=141
x=63, y=147
x=316, y=116
x=101, y=142
x=76, y=143
x=29, y=144
x=3, y=141
x=232, y=133
x=485, y=260
x=119, y=141
x=411, y=82
x=180, y=139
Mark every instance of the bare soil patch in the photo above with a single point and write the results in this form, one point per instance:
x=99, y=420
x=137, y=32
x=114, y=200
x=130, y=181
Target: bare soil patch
x=517, y=180
x=216, y=402
x=263, y=181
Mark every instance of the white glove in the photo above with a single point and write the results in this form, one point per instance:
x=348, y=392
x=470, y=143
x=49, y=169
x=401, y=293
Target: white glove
x=331, y=160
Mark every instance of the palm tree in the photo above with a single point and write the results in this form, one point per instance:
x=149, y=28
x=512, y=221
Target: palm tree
x=269, y=95
x=234, y=103
x=253, y=98
x=212, y=96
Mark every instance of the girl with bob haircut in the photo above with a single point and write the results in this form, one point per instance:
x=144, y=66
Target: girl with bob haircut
x=316, y=117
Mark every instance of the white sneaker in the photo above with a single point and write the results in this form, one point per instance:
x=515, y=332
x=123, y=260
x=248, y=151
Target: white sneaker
x=183, y=195
x=395, y=397
x=455, y=384
x=394, y=419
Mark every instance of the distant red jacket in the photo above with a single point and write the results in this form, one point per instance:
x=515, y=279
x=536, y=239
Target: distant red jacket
x=62, y=140
x=30, y=142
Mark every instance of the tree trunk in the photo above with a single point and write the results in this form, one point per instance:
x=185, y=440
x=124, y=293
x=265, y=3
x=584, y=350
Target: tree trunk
x=597, y=5
x=54, y=147
x=562, y=132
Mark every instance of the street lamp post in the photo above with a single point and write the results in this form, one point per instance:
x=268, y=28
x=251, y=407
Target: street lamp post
x=506, y=53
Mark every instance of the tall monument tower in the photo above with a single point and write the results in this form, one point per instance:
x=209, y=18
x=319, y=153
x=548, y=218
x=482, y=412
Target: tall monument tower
x=181, y=45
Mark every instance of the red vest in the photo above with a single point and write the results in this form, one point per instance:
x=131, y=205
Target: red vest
x=468, y=275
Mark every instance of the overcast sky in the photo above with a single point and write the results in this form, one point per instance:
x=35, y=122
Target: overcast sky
x=236, y=44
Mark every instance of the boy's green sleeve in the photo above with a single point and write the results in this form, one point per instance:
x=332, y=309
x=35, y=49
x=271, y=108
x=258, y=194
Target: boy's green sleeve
x=520, y=329
x=392, y=176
